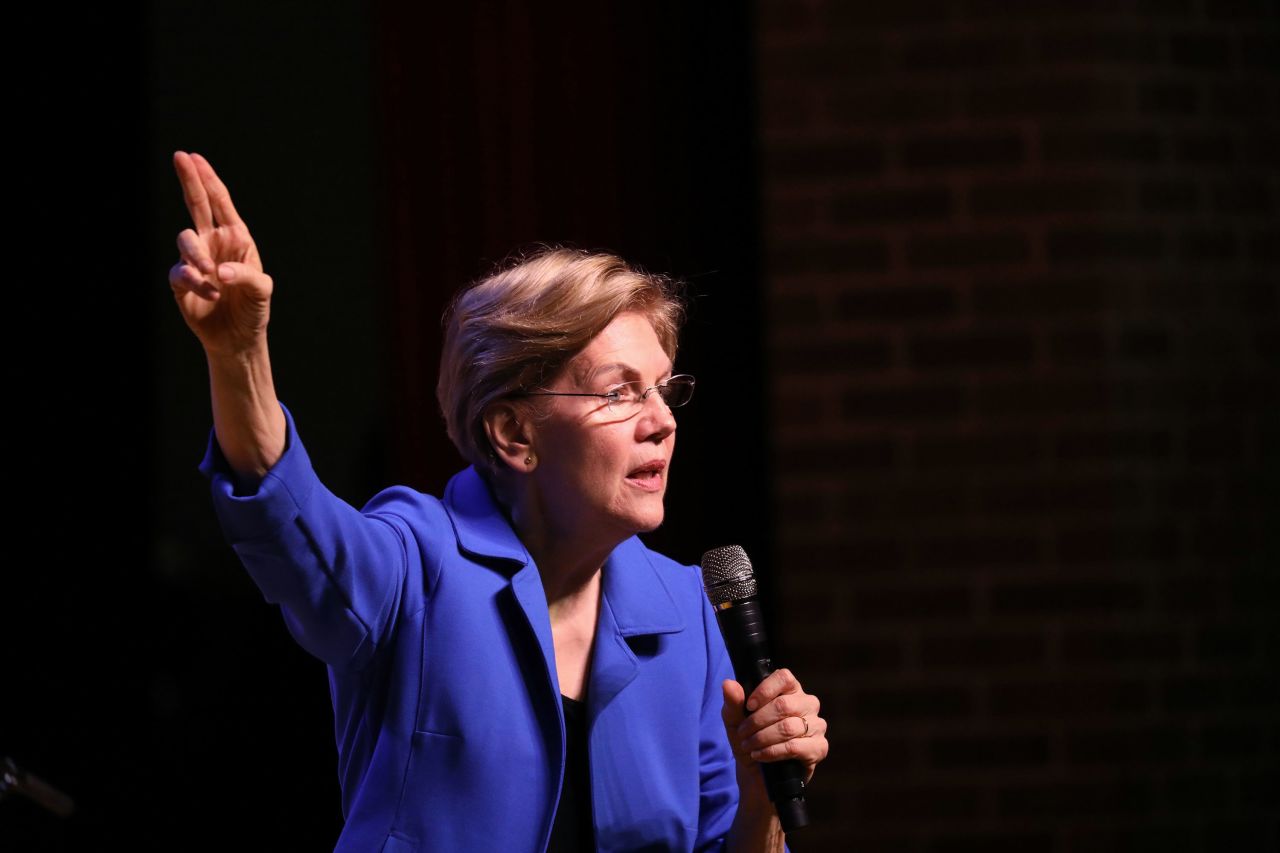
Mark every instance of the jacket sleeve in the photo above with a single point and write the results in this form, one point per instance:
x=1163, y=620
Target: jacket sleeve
x=717, y=769
x=337, y=573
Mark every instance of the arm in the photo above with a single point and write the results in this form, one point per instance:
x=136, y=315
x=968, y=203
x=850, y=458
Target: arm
x=336, y=573
x=225, y=298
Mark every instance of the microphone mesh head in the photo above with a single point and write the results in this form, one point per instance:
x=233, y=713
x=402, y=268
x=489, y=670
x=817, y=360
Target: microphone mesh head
x=727, y=575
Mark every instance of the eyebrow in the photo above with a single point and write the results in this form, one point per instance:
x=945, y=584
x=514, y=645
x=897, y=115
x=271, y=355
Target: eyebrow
x=622, y=368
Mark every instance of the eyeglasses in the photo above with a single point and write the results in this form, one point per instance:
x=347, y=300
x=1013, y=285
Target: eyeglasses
x=627, y=397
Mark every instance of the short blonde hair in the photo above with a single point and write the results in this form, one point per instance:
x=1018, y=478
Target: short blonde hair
x=516, y=330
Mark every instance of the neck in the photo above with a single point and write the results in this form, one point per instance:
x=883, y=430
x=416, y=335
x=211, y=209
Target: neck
x=569, y=559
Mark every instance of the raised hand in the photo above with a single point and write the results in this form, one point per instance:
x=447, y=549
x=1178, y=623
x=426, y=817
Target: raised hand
x=218, y=283
x=225, y=297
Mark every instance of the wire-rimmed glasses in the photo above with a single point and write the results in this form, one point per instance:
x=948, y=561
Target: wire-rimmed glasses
x=627, y=398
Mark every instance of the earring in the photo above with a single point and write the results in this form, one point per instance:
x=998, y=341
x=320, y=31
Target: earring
x=528, y=460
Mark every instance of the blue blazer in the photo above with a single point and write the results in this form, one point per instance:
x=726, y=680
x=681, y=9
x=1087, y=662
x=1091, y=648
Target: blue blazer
x=432, y=619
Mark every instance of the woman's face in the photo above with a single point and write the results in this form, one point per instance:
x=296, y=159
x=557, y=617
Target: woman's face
x=598, y=471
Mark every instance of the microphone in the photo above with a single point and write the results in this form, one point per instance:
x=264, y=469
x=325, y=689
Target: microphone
x=731, y=588
x=13, y=779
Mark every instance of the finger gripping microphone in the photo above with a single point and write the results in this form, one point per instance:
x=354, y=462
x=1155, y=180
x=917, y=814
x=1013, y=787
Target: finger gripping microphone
x=731, y=588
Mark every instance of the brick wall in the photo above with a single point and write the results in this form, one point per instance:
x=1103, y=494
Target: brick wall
x=1023, y=304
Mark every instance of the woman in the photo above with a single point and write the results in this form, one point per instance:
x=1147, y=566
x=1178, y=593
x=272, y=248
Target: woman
x=511, y=669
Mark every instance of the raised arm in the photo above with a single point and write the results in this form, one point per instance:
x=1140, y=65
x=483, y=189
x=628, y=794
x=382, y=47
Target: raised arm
x=225, y=298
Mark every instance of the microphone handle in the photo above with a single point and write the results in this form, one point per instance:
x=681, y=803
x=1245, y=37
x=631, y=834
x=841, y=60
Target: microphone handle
x=742, y=624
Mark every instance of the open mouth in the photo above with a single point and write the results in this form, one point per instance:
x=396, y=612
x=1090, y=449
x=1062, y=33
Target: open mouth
x=648, y=475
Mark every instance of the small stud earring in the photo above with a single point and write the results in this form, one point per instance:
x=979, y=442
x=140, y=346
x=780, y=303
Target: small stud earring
x=528, y=460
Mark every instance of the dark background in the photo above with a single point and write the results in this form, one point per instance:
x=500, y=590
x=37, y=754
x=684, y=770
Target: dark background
x=985, y=311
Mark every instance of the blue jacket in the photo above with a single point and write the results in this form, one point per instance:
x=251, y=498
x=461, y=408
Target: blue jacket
x=432, y=619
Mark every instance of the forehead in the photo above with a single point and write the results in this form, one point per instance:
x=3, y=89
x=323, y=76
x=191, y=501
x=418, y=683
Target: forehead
x=628, y=344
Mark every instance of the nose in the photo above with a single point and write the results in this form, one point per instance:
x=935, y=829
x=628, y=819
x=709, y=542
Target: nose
x=657, y=420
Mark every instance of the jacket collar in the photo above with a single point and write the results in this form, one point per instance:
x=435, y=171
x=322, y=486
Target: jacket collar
x=479, y=522
x=634, y=590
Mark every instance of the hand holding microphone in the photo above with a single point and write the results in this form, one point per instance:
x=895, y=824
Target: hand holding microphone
x=780, y=726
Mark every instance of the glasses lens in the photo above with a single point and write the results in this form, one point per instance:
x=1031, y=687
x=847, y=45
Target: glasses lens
x=624, y=396
x=676, y=391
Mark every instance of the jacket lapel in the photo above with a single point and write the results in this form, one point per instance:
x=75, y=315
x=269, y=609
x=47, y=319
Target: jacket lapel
x=636, y=602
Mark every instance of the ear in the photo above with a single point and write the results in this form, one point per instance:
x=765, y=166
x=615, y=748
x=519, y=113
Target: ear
x=509, y=436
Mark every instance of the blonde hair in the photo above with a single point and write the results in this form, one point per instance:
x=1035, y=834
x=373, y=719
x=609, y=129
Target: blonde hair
x=515, y=330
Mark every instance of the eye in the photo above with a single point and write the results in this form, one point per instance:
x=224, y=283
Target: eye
x=625, y=392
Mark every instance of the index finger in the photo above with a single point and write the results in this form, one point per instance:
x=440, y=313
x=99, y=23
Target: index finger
x=193, y=192
x=224, y=212
x=778, y=682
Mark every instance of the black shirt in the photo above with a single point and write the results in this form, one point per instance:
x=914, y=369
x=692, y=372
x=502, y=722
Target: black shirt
x=573, y=830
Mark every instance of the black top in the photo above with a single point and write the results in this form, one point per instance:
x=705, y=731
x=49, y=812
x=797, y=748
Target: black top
x=573, y=831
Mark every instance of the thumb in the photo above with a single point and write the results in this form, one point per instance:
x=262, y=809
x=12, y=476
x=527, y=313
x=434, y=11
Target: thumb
x=230, y=272
x=734, y=697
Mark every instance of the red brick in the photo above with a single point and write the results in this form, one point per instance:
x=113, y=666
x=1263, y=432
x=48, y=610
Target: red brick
x=1071, y=246
x=975, y=549
x=1092, y=48
x=983, y=650
x=1219, y=741
x=904, y=403
x=1075, y=145
x=933, y=702
x=864, y=17
x=1062, y=496
x=1044, y=197
x=1202, y=148
x=970, y=350
x=820, y=161
x=1114, y=543
x=1017, y=841
x=988, y=449
x=1049, y=11
x=1108, y=647
x=952, y=53
x=1072, y=799
x=962, y=150
x=825, y=64
x=1192, y=694
x=1201, y=51
x=1060, y=697
x=851, y=454
x=1241, y=10
x=829, y=256
x=1146, y=745
x=832, y=356
x=1053, y=298
x=983, y=249
x=854, y=107
x=1259, y=51
x=989, y=751
x=1207, y=246
x=907, y=604
x=882, y=206
x=1169, y=197
x=1197, y=790
x=1244, y=199
x=1067, y=596
x=1072, y=347
x=1168, y=97
x=1046, y=396
x=878, y=754
x=1246, y=100
x=1048, y=98
x=872, y=304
